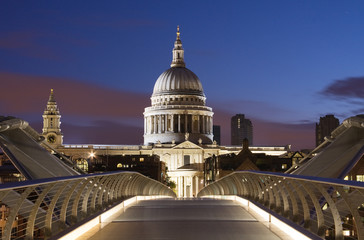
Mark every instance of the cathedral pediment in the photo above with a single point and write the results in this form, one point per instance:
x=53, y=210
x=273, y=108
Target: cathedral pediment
x=187, y=145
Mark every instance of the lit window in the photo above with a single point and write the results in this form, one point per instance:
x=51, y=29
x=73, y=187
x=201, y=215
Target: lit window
x=119, y=165
x=82, y=164
x=141, y=159
x=284, y=166
x=360, y=178
x=325, y=206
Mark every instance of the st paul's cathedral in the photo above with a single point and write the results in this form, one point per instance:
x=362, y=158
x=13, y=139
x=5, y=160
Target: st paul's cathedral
x=177, y=128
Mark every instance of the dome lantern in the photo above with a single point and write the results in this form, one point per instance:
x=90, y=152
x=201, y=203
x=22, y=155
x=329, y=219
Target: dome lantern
x=178, y=52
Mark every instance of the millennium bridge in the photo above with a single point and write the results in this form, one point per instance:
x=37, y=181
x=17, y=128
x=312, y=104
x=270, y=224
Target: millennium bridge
x=310, y=201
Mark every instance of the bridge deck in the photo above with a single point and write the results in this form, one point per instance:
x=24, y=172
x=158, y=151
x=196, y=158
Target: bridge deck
x=185, y=219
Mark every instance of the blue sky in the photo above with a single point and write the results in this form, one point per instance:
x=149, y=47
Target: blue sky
x=281, y=63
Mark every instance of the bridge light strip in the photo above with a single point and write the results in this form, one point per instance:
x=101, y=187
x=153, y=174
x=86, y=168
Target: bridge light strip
x=106, y=217
x=285, y=228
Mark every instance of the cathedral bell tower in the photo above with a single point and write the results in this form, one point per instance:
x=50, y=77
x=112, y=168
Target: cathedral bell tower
x=51, y=122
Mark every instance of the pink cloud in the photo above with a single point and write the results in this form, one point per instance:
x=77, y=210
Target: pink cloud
x=29, y=94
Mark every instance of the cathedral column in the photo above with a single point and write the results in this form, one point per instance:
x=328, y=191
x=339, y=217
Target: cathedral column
x=179, y=123
x=180, y=190
x=200, y=119
x=178, y=181
x=198, y=124
x=197, y=185
x=184, y=186
x=204, y=124
x=155, y=124
x=166, y=123
x=163, y=123
x=211, y=125
x=150, y=124
x=207, y=125
x=159, y=123
x=172, y=123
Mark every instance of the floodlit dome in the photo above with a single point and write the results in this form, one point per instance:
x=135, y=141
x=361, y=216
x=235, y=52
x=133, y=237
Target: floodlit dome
x=178, y=80
x=178, y=111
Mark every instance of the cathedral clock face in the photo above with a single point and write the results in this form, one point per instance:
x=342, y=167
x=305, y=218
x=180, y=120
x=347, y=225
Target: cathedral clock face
x=51, y=139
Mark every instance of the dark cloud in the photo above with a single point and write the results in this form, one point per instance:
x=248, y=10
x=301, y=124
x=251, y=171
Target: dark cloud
x=352, y=87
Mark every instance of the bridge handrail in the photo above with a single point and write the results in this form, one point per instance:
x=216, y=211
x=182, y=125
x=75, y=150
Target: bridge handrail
x=329, y=208
x=46, y=207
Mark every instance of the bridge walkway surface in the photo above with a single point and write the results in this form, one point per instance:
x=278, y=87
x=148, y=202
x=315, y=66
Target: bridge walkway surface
x=186, y=219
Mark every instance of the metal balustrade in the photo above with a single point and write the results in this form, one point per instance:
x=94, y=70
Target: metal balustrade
x=43, y=208
x=329, y=208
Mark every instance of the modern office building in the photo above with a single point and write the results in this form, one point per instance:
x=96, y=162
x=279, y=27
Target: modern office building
x=241, y=128
x=216, y=129
x=324, y=128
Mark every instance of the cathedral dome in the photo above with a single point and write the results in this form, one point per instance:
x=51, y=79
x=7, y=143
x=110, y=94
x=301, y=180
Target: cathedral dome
x=178, y=80
x=178, y=111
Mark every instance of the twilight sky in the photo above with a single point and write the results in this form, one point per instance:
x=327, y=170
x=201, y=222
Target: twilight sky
x=281, y=63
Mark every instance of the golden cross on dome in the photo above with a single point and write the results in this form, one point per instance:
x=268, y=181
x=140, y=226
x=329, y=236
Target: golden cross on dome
x=178, y=32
